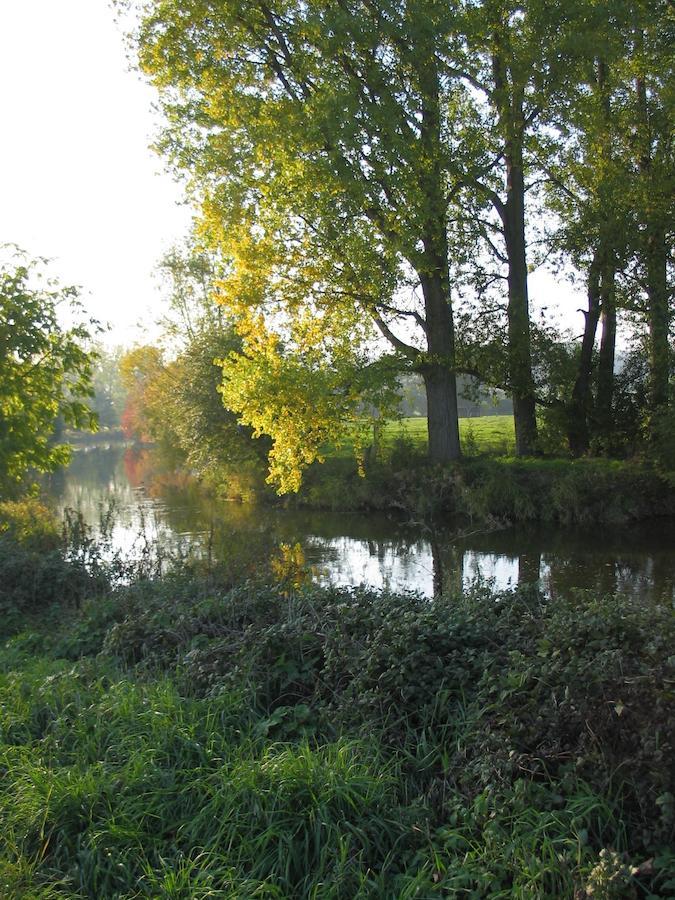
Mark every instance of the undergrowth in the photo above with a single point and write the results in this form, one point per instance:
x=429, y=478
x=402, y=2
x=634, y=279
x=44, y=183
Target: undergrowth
x=184, y=737
x=484, y=489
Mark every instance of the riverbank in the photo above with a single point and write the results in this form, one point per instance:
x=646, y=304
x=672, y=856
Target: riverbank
x=487, y=486
x=195, y=736
x=495, y=490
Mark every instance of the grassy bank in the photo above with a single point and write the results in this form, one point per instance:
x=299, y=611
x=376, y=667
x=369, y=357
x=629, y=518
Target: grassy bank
x=489, y=484
x=493, y=489
x=187, y=737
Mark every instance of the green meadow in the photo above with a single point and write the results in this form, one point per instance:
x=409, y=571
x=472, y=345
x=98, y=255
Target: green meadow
x=492, y=435
x=488, y=435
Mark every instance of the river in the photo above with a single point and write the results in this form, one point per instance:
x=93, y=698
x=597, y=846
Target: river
x=360, y=548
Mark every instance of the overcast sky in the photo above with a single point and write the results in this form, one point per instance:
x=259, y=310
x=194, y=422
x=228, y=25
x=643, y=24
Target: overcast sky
x=78, y=182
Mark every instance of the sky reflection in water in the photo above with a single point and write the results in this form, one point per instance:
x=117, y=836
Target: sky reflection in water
x=373, y=549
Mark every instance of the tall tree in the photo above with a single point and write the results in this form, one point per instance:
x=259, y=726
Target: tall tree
x=612, y=188
x=652, y=128
x=587, y=190
x=324, y=133
x=522, y=61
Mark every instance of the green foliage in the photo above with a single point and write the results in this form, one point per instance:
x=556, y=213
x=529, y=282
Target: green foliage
x=338, y=744
x=30, y=523
x=45, y=370
x=32, y=580
x=175, y=399
x=663, y=441
x=305, y=399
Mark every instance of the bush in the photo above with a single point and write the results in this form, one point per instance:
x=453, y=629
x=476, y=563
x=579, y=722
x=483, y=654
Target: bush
x=32, y=582
x=30, y=523
x=574, y=689
x=335, y=743
x=40, y=563
x=662, y=433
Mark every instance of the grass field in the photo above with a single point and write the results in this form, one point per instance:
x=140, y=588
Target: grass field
x=487, y=434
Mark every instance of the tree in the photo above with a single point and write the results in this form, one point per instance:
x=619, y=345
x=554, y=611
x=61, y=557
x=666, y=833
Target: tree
x=317, y=138
x=109, y=397
x=587, y=189
x=523, y=60
x=141, y=370
x=348, y=155
x=612, y=187
x=174, y=397
x=650, y=127
x=45, y=368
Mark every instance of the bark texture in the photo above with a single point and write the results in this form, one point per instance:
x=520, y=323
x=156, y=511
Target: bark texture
x=512, y=213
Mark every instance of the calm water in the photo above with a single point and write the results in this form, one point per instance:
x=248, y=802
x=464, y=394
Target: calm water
x=353, y=548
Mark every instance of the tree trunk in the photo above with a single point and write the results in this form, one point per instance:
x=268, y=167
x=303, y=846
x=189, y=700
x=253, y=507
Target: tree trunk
x=512, y=213
x=438, y=365
x=605, y=397
x=438, y=373
x=659, y=317
x=578, y=432
x=600, y=282
x=520, y=354
x=441, y=414
x=656, y=253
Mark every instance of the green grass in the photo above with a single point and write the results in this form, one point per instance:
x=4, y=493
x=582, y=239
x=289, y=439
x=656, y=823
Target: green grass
x=492, y=435
x=184, y=739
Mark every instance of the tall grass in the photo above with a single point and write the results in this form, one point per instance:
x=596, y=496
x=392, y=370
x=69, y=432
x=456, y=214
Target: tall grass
x=181, y=738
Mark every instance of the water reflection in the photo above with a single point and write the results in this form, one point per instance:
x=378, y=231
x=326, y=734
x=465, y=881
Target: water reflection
x=353, y=549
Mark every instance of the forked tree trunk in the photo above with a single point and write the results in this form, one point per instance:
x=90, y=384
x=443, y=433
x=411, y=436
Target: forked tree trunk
x=605, y=396
x=600, y=281
x=578, y=431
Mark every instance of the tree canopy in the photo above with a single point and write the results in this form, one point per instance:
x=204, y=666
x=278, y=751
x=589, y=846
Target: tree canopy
x=361, y=164
x=45, y=368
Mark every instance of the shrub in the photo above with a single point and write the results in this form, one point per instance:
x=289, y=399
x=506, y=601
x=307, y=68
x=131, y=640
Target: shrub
x=579, y=688
x=254, y=741
x=662, y=428
x=30, y=523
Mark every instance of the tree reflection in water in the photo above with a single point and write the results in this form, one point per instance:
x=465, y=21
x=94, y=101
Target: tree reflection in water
x=351, y=548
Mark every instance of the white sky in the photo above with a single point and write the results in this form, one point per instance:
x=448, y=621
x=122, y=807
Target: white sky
x=78, y=182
